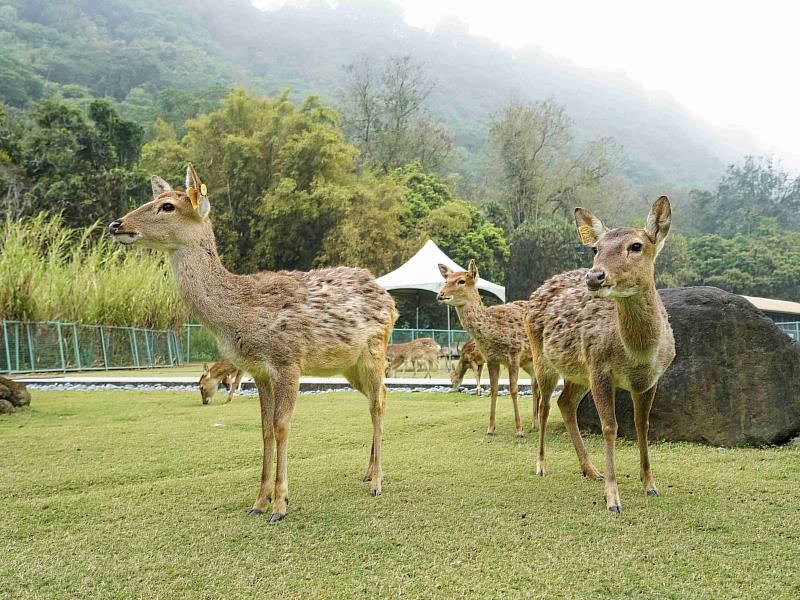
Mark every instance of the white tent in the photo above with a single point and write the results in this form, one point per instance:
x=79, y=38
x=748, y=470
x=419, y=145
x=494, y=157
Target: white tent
x=421, y=273
x=419, y=278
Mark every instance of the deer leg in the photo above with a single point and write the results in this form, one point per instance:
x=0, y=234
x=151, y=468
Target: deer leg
x=267, y=398
x=286, y=385
x=494, y=377
x=642, y=403
x=536, y=401
x=545, y=383
x=568, y=403
x=603, y=393
x=478, y=372
x=235, y=386
x=513, y=376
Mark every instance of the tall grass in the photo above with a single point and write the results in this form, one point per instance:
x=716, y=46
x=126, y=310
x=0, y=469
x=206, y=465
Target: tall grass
x=51, y=272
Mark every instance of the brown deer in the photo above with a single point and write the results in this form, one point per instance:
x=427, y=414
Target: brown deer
x=421, y=352
x=274, y=325
x=469, y=358
x=604, y=328
x=498, y=331
x=223, y=371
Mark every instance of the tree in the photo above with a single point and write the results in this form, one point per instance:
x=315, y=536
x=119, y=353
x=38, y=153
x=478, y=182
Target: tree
x=539, y=250
x=542, y=171
x=384, y=115
x=746, y=195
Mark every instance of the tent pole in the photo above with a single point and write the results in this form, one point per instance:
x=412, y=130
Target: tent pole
x=449, y=340
x=417, y=332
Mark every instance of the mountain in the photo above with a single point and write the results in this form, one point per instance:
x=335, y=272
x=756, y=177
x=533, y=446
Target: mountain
x=131, y=50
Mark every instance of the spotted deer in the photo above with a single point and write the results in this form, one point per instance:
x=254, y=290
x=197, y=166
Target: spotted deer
x=498, y=331
x=274, y=325
x=468, y=358
x=601, y=329
x=223, y=371
x=421, y=352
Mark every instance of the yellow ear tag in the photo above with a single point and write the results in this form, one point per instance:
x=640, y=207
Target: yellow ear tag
x=203, y=189
x=192, y=193
x=586, y=234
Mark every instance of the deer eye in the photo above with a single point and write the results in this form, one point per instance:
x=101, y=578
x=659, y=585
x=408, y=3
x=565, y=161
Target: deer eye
x=637, y=247
x=594, y=250
x=462, y=281
x=167, y=207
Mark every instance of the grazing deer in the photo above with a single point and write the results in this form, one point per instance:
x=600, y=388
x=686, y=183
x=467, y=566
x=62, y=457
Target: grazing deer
x=604, y=328
x=469, y=358
x=274, y=325
x=418, y=352
x=223, y=371
x=498, y=331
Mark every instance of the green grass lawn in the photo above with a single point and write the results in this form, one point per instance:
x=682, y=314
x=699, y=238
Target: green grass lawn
x=143, y=495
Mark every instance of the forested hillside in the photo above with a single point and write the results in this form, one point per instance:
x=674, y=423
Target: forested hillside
x=131, y=50
x=346, y=137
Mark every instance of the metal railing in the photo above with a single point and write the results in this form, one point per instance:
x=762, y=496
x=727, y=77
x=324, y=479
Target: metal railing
x=44, y=346
x=792, y=328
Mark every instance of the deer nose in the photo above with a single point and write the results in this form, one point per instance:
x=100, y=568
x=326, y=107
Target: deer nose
x=595, y=279
x=114, y=225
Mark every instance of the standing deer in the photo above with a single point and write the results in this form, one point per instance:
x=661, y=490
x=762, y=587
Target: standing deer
x=469, y=358
x=274, y=325
x=421, y=352
x=602, y=329
x=223, y=371
x=498, y=331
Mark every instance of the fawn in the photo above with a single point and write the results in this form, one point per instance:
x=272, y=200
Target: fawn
x=498, y=331
x=604, y=328
x=274, y=325
x=223, y=371
x=468, y=358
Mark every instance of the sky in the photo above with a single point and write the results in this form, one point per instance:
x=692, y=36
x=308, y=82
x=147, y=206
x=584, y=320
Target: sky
x=733, y=64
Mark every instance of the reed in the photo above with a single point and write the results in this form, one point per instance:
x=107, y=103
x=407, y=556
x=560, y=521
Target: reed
x=51, y=272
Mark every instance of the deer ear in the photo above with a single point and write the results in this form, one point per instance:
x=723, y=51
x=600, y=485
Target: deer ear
x=658, y=222
x=445, y=271
x=205, y=369
x=197, y=192
x=472, y=269
x=159, y=186
x=590, y=228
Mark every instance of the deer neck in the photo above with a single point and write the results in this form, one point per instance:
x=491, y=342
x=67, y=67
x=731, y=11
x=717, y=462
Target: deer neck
x=470, y=314
x=203, y=282
x=640, y=323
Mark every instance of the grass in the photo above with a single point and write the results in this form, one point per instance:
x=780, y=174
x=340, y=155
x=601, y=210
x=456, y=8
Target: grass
x=51, y=272
x=143, y=494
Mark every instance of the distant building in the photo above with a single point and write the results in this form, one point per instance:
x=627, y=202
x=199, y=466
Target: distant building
x=786, y=314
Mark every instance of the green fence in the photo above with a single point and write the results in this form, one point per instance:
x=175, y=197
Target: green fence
x=199, y=343
x=39, y=346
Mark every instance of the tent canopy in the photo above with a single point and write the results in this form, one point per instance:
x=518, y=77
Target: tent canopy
x=421, y=274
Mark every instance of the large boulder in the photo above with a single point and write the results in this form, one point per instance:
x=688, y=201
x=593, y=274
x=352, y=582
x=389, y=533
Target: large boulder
x=13, y=395
x=735, y=379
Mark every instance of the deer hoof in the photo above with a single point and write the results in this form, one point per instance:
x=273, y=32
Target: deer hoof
x=652, y=492
x=255, y=512
x=614, y=509
x=489, y=433
x=374, y=493
x=367, y=477
x=275, y=517
x=520, y=436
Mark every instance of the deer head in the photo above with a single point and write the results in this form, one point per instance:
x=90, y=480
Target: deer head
x=207, y=384
x=623, y=257
x=459, y=287
x=171, y=220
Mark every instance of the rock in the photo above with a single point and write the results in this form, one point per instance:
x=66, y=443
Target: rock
x=735, y=379
x=13, y=395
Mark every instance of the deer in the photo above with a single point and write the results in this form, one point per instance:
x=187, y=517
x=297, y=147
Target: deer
x=498, y=331
x=468, y=358
x=273, y=325
x=223, y=371
x=424, y=351
x=601, y=329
